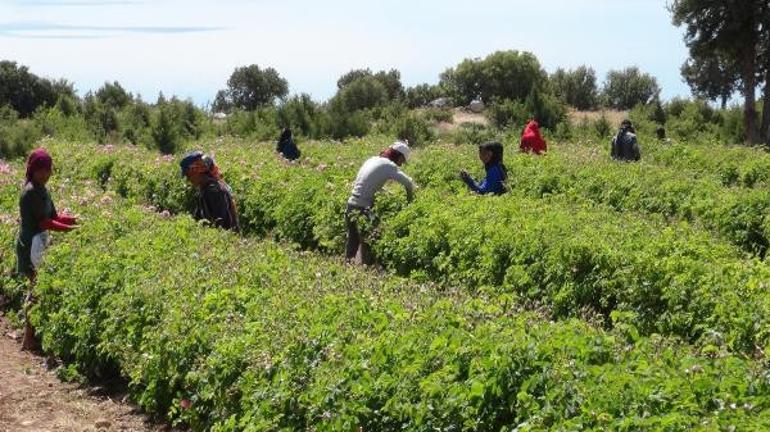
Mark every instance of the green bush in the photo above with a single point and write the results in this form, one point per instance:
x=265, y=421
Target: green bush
x=500, y=75
x=413, y=128
x=507, y=113
x=339, y=124
x=546, y=108
x=302, y=115
x=102, y=119
x=165, y=130
x=363, y=93
x=421, y=95
x=56, y=122
x=437, y=115
x=627, y=88
x=270, y=344
x=576, y=87
x=17, y=137
x=260, y=124
x=473, y=133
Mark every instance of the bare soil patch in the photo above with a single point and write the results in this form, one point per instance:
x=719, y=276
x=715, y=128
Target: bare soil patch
x=33, y=399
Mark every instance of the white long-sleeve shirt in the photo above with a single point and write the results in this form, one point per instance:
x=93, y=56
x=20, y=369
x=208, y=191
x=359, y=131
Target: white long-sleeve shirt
x=372, y=177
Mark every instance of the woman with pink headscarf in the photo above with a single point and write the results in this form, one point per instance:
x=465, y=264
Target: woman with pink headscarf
x=38, y=217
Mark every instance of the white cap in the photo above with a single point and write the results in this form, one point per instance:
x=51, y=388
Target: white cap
x=403, y=148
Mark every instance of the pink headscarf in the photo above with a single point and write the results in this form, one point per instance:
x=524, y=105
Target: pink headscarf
x=38, y=160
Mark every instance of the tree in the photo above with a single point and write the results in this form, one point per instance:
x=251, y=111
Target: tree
x=114, y=95
x=711, y=77
x=735, y=31
x=250, y=87
x=165, y=129
x=546, y=108
x=576, y=87
x=628, y=88
x=423, y=94
x=362, y=93
x=25, y=92
x=302, y=114
x=391, y=80
x=502, y=75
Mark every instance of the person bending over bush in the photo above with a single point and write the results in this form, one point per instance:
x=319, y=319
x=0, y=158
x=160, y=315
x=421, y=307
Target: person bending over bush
x=215, y=198
x=286, y=146
x=491, y=154
x=625, y=146
x=372, y=176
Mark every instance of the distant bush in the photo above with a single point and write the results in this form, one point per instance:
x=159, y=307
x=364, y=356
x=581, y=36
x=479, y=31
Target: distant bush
x=17, y=137
x=546, y=108
x=423, y=94
x=340, y=124
x=113, y=95
x=391, y=80
x=503, y=75
x=363, y=93
x=602, y=127
x=733, y=130
x=26, y=92
x=438, y=115
x=251, y=87
x=136, y=120
x=473, y=133
x=103, y=120
x=261, y=124
x=55, y=122
x=691, y=120
x=627, y=88
x=507, y=113
x=165, y=130
x=577, y=87
x=411, y=127
x=301, y=114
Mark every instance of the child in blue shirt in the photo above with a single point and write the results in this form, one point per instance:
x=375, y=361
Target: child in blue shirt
x=491, y=154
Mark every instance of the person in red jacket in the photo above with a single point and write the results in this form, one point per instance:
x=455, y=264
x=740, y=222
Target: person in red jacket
x=531, y=140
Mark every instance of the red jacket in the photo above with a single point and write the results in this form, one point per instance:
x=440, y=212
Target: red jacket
x=531, y=141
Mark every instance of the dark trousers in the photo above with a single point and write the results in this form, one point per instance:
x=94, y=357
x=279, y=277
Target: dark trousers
x=356, y=249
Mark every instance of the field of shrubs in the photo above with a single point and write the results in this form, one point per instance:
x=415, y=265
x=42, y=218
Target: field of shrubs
x=596, y=295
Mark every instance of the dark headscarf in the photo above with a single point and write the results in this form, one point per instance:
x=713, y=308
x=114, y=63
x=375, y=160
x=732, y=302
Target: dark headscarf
x=188, y=160
x=38, y=160
x=496, y=149
x=391, y=154
x=625, y=126
x=285, y=135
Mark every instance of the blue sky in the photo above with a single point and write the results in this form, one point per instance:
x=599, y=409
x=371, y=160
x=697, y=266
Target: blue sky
x=190, y=47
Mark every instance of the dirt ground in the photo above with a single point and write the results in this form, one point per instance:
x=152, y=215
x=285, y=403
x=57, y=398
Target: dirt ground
x=33, y=399
x=462, y=116
x=614, y=117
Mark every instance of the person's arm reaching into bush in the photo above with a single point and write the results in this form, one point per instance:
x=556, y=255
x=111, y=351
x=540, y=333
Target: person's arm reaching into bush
x=406, y=182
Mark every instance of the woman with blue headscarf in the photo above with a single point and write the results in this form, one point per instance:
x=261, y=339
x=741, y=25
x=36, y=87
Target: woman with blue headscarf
x=215, y=198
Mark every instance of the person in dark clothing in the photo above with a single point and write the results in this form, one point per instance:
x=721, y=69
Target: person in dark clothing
x=215, y=198
x=38, y=217
x=286, y=145
x=491, y=154
x=625, y=146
